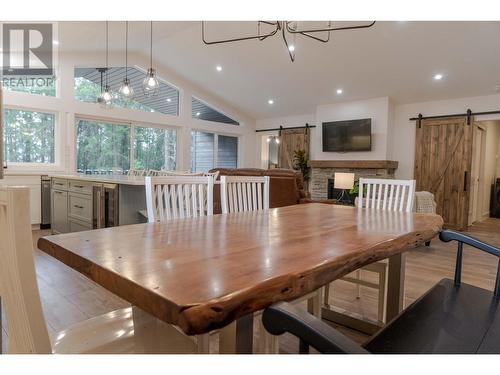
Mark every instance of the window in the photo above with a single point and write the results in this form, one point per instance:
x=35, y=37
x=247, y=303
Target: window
x=203, y=153
x=29, y=136
x=203, y=111
x=88, y=88
x=45, y=86
x=227, y=152
x=154, y=148
x=102, y=147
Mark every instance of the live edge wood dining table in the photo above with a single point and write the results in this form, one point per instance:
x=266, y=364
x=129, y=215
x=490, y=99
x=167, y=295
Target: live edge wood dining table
x=204, y=273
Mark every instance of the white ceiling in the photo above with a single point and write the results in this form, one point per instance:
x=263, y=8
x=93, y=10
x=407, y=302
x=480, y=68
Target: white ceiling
x=395, y=59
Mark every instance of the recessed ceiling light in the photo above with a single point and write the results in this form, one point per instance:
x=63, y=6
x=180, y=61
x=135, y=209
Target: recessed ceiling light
x=339, y=91
x=438, y=77
x=169, y=100
x=219, y=68
x=291, y=48
x=55, y=42
x=197, y=113
x=270, y=101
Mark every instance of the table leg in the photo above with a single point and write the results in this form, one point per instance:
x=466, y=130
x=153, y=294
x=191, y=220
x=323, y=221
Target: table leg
x=395, y=286
x=237, y=337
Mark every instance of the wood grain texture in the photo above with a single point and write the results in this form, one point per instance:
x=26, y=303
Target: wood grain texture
x=203, y=273
x=363, y=164
x=443, y=154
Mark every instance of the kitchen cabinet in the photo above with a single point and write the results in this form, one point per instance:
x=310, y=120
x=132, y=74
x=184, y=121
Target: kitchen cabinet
x=59, y=222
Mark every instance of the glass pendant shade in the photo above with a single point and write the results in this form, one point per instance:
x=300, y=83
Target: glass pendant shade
x=126, y=90
x=105, y=99
x=151, y=85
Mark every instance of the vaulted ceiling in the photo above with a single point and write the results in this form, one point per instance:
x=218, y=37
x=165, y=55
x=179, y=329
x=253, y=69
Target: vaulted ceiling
x=395, y=59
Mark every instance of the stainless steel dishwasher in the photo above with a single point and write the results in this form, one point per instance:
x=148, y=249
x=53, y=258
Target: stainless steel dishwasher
x=46, y=204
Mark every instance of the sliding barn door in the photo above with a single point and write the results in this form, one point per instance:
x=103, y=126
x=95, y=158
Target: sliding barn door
x=443, y=154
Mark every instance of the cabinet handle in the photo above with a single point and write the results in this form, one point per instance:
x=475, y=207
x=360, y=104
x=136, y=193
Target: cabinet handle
x=79, y=186
x=77, y=206
x=58, y=183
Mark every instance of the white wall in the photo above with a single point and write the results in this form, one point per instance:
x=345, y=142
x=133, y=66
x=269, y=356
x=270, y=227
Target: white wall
x=394, y=133
x=67, y=108
x=403, y=145
x=380, y=110
x=377, y=109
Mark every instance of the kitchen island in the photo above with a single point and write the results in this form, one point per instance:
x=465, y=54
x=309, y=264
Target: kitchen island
x=82, y=202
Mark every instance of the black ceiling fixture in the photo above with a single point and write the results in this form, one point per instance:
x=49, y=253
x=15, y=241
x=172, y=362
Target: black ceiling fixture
x=288, y=30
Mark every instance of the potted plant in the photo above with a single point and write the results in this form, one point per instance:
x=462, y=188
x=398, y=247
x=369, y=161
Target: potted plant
x=301, y=164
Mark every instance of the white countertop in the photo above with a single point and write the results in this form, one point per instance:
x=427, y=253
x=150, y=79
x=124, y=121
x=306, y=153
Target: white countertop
x=108, y=179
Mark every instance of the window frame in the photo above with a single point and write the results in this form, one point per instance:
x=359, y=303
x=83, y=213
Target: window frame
x=141, y=69
x=216, y=145
x=58, y=141
x=215, y=108
x=132, y=124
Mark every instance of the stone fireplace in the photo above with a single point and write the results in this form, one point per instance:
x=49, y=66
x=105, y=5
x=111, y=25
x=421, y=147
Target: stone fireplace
x=323, y=170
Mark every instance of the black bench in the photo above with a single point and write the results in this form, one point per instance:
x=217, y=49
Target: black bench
x=452, y=317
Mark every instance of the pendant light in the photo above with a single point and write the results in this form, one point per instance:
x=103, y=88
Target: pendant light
x=106, y=98
x=151, y=85
x=126, y=90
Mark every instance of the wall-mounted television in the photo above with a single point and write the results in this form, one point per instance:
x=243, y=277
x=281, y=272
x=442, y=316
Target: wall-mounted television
x=347, y=136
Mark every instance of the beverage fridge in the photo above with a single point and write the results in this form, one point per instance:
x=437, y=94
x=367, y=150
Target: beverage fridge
x=105, y=205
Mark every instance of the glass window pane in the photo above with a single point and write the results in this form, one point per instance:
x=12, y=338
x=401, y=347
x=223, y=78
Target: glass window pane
x=88, y=88
x=102, y=147
x=227, y=152
x=202, y=151
x=28, y=136
x=203, y=111
x=154, y=148
x=45, y=86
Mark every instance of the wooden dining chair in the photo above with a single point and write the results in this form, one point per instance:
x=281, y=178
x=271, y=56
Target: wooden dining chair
x=452, y=317
x=128, y=330
x=379, y=194
x=178, y=197
x=251, y=193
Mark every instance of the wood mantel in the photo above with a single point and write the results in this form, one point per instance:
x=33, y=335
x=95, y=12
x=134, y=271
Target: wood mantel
x=353, y=164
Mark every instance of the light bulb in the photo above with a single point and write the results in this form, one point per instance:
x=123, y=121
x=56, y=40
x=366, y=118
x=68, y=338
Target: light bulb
x=126, y=89
x=268, y=139
x=197, y=113
x=106, y=96
x=277, y=140
x=291, y=48
x=151, y=85
x=151, y=82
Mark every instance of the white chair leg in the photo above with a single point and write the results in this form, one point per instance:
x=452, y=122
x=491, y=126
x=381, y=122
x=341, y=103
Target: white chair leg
x=314, y=304
x=267, y=344
x=203, y=343
x=382, y=289
x=358, y=286
x=227, y=339
x=326, y=295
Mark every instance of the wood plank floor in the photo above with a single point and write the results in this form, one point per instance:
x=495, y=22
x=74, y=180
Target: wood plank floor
x=68, y=297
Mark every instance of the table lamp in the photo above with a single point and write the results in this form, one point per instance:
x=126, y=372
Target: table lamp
x=343, y=181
